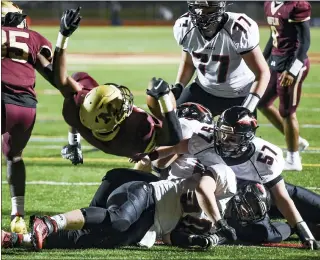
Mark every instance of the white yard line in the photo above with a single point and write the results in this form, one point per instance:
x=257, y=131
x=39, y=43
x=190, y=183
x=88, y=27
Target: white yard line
x=56, y=183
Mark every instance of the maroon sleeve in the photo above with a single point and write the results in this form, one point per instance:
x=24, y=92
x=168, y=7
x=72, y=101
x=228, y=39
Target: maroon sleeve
x=301, y=12
x=43, y=45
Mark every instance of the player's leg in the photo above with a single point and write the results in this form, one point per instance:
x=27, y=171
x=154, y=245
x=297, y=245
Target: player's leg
x=289, y=102
x=124, y=207
x=114, y=179
x=19, y=125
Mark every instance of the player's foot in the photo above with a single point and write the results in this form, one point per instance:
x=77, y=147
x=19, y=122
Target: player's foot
x=292, y=166
x=72, y=153
x=18, y=225
x=158, y=88
x=41, y=228
x=303, y=144
x=10, y=240
x=204, y=241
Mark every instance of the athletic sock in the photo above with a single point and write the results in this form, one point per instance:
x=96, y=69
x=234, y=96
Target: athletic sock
x=60, y=220
x=17, y=205
x=293, y=157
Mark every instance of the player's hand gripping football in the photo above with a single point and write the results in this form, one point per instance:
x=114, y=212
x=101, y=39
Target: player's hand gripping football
x=70, y=21
x=286, y=79
x=72, y=153
x=158, y=88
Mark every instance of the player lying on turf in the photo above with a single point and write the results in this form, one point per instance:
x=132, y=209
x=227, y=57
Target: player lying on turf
x=232, y=141
x=257, y=228
x=23, y=52
x=136, y=213
x=104, y=115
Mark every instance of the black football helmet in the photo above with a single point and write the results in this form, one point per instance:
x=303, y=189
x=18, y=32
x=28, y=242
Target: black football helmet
x=251, y=203
x=234, y=131
x=206, y=13
x=194, y=111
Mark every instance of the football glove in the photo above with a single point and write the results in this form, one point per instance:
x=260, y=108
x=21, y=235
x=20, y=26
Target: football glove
x=158, y=88
x=176, y=90
x=225, y=230
x=72, y=153
x=70, y=21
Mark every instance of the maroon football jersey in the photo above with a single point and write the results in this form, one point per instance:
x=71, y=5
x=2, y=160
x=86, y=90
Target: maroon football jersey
x=281, y=17
x=19, y=54
x=135, y=133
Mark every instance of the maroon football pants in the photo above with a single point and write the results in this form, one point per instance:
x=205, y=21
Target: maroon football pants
x=17, y=126
x=289, y=97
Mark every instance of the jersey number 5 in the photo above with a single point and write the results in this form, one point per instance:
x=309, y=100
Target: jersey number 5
x=12, y=48
x=223, y=67
x=267, y=159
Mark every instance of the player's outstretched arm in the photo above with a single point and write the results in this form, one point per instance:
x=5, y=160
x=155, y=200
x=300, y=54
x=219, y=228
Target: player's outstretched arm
x=288, y=209
x=185, y=73
x=170, y=133
x=258, y=65
x=69, y=23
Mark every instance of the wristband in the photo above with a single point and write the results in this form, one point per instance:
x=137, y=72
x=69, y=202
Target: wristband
x=73, y=138
x=62, y=41
x=166, y=104
x=153, y=155
x=296, y=67
x=251, y=101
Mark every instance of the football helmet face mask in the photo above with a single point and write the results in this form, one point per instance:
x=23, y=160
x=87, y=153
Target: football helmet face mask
x=251, y=203
x=234, y=131
x=12, y=16
x=194, y=111
x=105, y=108
x=206, y=14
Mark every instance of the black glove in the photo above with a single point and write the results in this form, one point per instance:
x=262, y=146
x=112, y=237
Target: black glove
x=176, y=90
x=225, y=230
x=158, y=88
x=72, y=153
x=70, y=21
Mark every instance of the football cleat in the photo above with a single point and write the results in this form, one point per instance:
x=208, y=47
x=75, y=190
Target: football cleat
x=292, y=166
x=10, y=240
x=18, y=225
x=41, y=228
x=158, y=88
x=72, y=153
x=303, y=144
x=204, y=241
x=6, y=239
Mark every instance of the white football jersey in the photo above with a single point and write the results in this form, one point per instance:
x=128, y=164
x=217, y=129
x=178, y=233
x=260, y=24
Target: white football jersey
x=221, y=71
x=265, y=164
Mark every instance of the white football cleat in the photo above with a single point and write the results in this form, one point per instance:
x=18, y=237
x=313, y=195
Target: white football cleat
x=303, y=144
x=292, y=166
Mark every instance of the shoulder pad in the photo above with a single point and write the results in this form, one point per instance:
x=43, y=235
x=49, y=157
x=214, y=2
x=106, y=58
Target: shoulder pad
x=301, y=12
x=181, y=28
x=243, y=31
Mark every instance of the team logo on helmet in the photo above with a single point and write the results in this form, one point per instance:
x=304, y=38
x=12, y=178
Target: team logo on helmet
x=105, y=108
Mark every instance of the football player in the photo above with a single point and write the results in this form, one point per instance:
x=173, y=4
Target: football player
x=135, y=212
x=232, y=141
x=104, y=115
x=286, y=52
x=22, y=52
x=223, y=48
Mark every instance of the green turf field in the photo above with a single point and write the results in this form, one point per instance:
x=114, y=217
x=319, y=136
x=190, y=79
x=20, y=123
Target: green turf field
x=62, y=191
